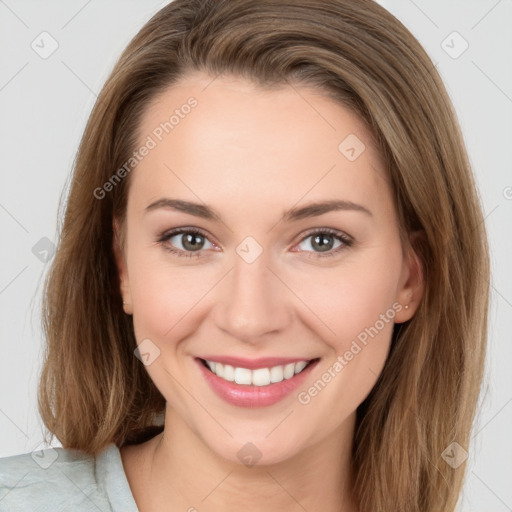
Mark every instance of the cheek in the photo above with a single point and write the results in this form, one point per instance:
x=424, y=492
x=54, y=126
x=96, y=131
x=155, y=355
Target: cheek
x=164, y=291
x=166, y=304
x=358, y=304
x=360, y=314
x=348, y=299
x=164, y=299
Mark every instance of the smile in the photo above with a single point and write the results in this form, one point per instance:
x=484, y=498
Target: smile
x=265, y=383
x=258, y=377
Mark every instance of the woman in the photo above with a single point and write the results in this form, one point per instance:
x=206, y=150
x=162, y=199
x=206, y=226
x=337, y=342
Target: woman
x=271, y=285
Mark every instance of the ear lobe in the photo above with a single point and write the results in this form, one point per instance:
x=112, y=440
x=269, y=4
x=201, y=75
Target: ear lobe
x=413, y=287
x=122, y=270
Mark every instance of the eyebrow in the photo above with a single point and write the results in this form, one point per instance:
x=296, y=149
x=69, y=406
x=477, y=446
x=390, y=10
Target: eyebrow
x=310, y=210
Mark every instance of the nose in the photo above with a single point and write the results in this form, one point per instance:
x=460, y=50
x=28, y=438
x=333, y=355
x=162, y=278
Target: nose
x=254, y=303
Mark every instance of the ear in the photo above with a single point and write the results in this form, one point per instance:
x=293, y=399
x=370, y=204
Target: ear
x=118, y=249
x=412, y=280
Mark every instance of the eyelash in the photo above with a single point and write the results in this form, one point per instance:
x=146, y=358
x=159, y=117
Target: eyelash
x=165, y=236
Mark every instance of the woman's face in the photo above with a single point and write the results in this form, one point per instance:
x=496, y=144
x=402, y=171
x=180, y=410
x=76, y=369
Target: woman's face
x=296, y=257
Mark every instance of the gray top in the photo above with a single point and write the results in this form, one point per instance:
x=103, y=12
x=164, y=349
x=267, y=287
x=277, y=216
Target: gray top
x=60, y=480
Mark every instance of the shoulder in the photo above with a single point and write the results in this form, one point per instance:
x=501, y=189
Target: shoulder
x=53, y=479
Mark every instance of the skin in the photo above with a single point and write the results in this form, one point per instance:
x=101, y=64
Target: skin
x=252, y=154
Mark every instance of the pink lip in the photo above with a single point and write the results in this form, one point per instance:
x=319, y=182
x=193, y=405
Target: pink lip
x=253, y=396
x=254, y=364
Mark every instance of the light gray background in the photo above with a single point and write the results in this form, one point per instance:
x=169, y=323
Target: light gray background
x=44, y=106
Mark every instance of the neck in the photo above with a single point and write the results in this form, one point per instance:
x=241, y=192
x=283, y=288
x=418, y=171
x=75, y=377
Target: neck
x=177, y=468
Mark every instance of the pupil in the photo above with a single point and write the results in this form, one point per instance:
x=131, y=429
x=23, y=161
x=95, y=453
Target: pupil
x=190, y=241
x=324, y=243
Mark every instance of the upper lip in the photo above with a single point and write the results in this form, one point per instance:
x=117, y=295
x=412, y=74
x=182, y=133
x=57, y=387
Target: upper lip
x=253, y=364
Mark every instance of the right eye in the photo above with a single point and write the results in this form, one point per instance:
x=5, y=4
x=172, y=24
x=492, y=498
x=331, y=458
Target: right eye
x=184, y=242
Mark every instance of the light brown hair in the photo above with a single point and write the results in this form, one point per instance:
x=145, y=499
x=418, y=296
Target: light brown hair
x=93, y=390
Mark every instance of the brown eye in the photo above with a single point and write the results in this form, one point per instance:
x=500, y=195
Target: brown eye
x=322, y=242
x=325, y=241
x=185, y=242
x=191, y=241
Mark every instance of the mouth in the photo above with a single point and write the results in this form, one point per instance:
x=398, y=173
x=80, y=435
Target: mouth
x=259, y=386
x=261, y=376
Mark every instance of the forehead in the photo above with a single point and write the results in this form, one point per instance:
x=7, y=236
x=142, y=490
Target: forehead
x=227, y=138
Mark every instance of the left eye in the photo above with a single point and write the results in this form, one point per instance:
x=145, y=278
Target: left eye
x=325, y=241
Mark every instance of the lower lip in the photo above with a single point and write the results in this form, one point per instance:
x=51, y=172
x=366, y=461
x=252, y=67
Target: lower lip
x=253, y=396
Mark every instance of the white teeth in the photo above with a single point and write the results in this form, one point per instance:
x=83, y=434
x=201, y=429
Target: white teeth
x=289, y=371
x=300, y=366
x=242, y=376
x=261, y=377
x=258, y=377
x=229, y=372
x=276, y=374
